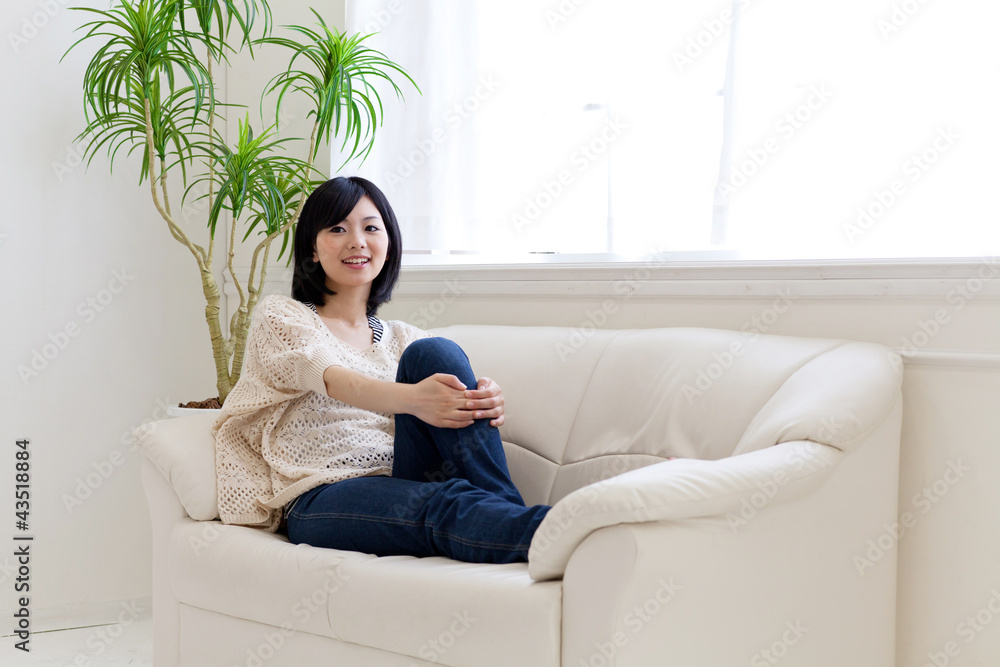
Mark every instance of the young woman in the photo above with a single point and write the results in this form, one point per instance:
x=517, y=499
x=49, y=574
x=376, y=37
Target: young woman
x=359, y=433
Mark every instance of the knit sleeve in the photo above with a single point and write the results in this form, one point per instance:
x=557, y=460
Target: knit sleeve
x=294, y=352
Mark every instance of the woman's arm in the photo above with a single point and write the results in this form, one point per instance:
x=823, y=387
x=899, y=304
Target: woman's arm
x=437, y=400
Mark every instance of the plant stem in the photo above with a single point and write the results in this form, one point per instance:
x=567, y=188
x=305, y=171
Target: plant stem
x=175, y=230
x=240, y=348
x=222, y=347
x=254, y=290
x=163, y=186
x=244, y=308
x=209, y=287
x=211, y=163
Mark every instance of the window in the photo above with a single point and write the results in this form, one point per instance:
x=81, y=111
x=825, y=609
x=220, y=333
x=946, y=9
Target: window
x=751, y=129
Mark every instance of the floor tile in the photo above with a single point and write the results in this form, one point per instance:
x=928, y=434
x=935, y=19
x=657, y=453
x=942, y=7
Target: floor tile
x=112, y=645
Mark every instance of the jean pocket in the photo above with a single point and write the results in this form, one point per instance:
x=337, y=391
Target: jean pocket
x=290, y=506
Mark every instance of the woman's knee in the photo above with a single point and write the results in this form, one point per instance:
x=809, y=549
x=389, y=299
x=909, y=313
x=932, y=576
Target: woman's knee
x=434, y=343
x=437, y=351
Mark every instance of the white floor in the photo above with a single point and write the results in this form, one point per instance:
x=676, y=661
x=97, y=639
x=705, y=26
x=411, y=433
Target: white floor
x=106, y=645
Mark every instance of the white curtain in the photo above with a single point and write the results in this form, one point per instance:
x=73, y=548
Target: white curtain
x=424, y=148
x=527, y=110
x=746, y=129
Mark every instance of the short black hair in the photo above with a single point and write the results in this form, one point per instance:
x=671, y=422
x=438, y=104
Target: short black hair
x=327, y=206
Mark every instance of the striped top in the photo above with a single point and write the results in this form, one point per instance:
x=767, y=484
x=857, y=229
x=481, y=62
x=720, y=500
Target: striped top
x=373, y=322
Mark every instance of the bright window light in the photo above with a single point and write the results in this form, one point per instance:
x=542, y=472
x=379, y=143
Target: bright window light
x=752, y=129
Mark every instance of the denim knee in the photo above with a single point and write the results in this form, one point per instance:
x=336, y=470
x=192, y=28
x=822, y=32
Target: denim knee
x=432, y=344
x=425, y=349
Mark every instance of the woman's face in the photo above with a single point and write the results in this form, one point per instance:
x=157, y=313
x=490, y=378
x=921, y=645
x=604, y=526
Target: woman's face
x=361, y=235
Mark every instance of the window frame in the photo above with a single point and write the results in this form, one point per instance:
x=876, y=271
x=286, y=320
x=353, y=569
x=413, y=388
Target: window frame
x=902, y=278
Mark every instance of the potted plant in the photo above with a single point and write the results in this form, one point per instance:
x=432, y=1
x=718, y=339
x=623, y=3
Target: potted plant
x=150, y=88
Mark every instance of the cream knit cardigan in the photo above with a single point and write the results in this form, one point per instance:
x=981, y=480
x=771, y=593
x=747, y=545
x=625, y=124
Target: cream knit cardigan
x=279, y=434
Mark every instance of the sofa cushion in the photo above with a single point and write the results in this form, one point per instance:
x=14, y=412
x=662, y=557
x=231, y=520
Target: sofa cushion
x=435, y=609
x=629, y=398
x=183, y=450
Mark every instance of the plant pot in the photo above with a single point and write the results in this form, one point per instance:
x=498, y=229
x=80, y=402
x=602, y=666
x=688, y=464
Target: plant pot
x=176, y=411
x=195, y=408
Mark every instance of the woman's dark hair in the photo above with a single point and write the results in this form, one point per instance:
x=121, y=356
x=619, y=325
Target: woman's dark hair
x=326, y=207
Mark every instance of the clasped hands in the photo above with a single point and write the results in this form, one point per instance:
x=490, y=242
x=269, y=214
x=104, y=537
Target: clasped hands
x=444, y=401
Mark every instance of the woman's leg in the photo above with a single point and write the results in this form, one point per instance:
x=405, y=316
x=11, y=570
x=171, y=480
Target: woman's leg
x=430, y=453
x=388, y=516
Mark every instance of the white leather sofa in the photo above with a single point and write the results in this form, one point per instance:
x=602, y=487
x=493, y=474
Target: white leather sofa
x=754, y=547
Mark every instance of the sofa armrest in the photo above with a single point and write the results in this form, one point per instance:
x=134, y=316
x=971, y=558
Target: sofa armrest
x=165, y=510
x=679, y=489
x=183, y=450
x=795, y=582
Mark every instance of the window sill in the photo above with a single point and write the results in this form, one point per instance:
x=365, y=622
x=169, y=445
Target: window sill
x=575, y=276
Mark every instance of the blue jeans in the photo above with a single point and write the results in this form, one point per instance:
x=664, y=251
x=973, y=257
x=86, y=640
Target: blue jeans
x=450, y=493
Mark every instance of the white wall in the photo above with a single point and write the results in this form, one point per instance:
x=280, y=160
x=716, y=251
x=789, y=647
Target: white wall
x=68, y=231
x=64, y=234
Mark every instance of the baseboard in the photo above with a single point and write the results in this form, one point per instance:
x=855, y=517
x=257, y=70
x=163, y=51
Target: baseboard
x=84, y=615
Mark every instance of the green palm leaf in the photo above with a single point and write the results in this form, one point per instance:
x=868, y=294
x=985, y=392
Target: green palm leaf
x=338, y=83
x=222, y=14
x=253, y=179
x=142, y=53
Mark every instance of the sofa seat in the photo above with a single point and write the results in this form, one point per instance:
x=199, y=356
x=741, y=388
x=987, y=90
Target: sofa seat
x=434, y=609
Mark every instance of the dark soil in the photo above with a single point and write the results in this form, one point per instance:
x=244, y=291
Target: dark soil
x=207, y=404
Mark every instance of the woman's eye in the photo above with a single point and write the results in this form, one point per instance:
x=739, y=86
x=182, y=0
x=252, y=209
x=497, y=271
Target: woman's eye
x=339, y=228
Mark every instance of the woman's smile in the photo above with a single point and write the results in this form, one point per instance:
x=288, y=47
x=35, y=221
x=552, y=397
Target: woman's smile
x=357, y=262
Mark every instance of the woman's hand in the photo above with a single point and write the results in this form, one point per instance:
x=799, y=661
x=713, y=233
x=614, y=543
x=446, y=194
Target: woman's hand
x=485, y=401
x=442, y=400
x=439, y=400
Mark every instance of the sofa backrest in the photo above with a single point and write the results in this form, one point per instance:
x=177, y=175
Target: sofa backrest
x=585, y=404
